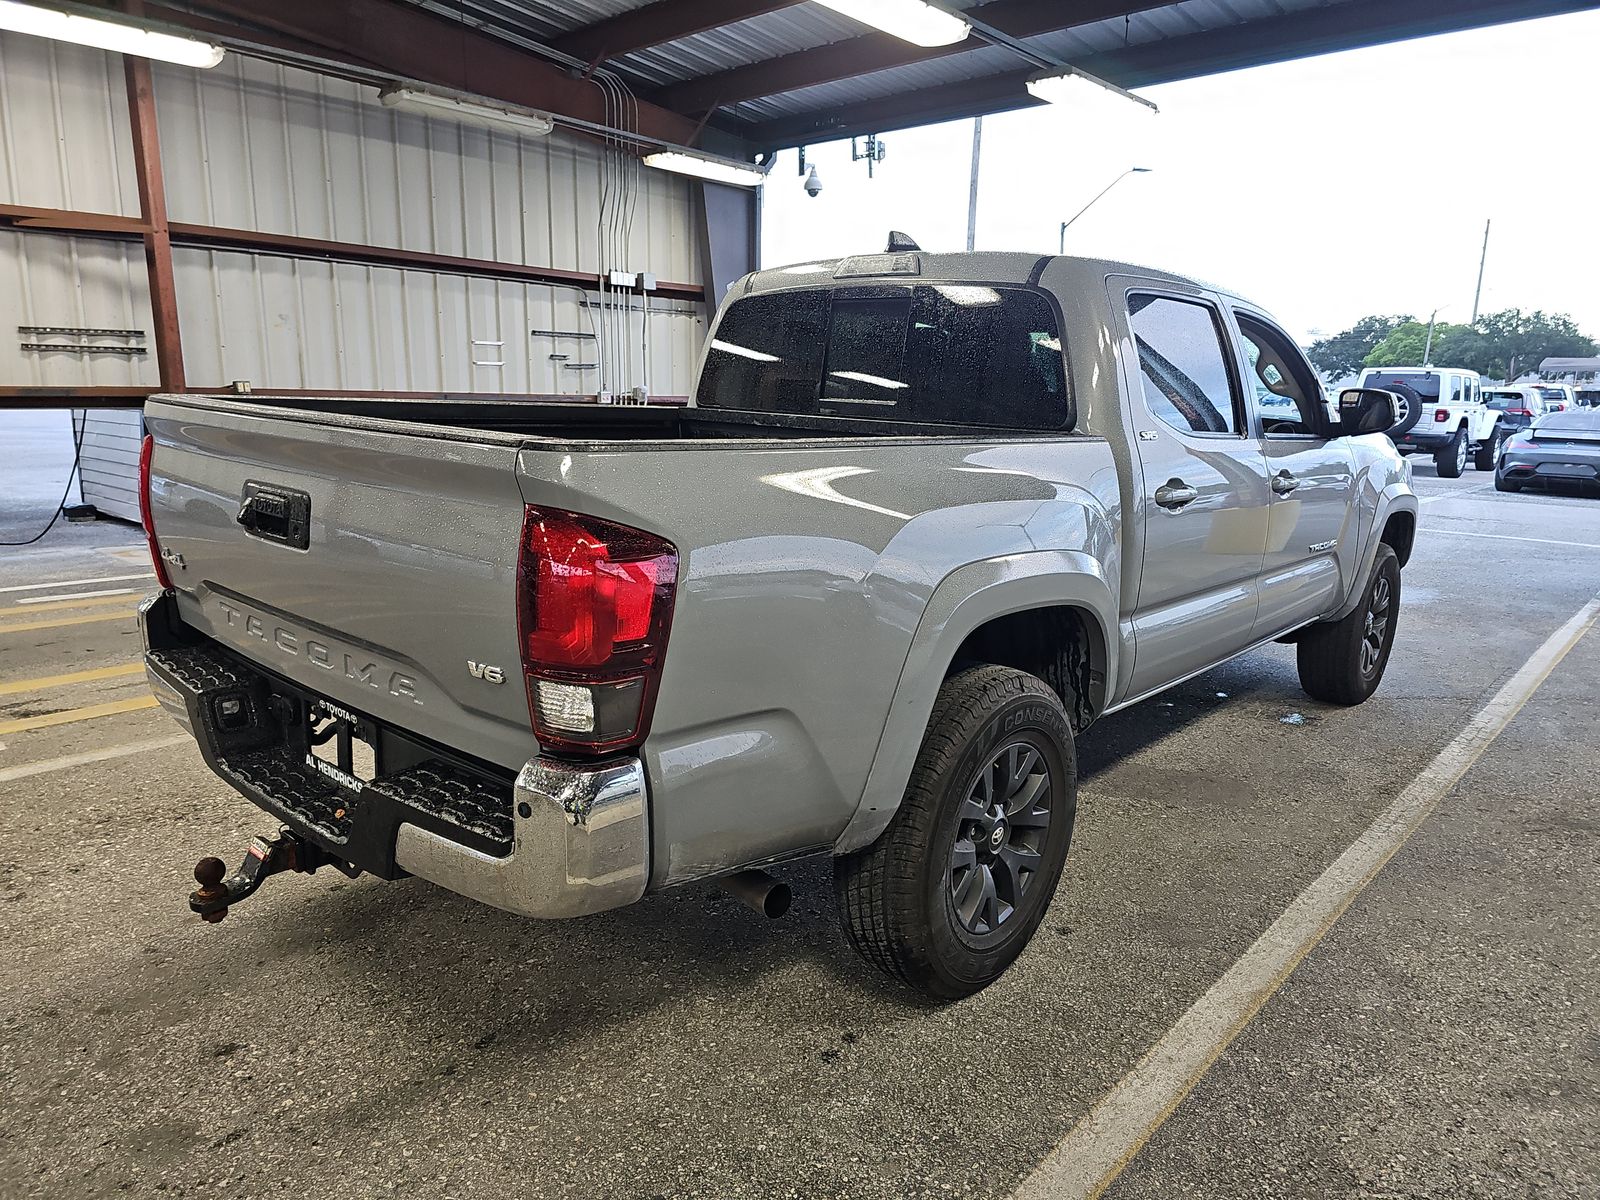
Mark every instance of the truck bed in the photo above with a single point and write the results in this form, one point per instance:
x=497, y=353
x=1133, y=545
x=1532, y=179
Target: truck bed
x=589, y=422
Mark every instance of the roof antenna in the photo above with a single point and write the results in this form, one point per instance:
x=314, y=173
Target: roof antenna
x=900, y=243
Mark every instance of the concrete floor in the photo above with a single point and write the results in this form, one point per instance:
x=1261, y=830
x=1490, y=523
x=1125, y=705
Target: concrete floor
x=337, y=1038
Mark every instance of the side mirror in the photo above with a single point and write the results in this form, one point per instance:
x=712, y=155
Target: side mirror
x=1367, y=410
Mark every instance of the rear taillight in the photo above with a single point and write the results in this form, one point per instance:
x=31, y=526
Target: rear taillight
x=1441, y=414
x=1520, y=412
x=147, y=451
x=594, y=604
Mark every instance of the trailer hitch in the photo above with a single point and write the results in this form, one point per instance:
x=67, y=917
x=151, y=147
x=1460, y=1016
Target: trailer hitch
x=264, y=856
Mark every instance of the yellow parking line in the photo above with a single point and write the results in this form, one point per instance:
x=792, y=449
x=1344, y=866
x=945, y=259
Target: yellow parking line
x=86, y=602
x=24, y=626
x=50, y=681
x=78, y=714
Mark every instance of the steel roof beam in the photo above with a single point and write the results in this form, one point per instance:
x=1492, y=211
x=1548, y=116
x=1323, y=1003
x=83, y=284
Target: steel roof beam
x=658, y=23
x=880, y=51
x=1324, y=30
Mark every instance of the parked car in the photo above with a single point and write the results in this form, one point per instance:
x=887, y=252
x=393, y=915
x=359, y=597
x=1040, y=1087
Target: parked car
x=1519, y=405
x=1442, y=412
x=1559, y=448
x=1558, y=397
x=861, y=598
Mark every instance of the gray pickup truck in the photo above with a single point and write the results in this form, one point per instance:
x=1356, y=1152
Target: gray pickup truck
x=926, y=519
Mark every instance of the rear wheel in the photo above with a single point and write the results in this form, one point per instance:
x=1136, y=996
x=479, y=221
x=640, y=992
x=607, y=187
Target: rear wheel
x=1342, y=662
x=1489, y=452
x=957, y=884
x=1451, y=458
x=1502, y=484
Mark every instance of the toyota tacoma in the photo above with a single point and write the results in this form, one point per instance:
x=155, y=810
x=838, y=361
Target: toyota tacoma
x=925, y=519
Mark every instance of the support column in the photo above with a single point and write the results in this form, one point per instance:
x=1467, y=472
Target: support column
x=153, y=210
x=728, y=241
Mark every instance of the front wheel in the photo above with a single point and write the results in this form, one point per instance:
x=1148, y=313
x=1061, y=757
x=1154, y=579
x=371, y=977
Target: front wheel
x=1489, y=451
x=1342, y=662
x=957, y=884
x=1451, y=458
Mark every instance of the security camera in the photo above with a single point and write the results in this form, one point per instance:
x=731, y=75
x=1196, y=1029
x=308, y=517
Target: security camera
x=813, y=185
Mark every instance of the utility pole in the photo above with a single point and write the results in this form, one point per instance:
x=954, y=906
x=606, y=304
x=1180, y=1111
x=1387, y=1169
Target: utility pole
x=1482, y=258
x=972, y=196
x=1427, y=352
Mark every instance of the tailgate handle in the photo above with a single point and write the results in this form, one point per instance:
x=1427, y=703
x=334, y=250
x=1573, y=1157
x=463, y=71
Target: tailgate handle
x=276, y=514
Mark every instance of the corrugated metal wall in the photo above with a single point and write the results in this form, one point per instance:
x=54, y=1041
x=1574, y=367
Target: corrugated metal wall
x=64, y=137
x=82, y=282
x=272, y=149
x=108, y=459
x=286, y=323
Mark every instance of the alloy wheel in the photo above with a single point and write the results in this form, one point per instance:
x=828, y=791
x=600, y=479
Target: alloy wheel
x=1377, y=625
x=999, y=845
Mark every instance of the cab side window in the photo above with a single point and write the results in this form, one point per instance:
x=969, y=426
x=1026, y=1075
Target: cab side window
x=1183, y=364
x=1286, y=394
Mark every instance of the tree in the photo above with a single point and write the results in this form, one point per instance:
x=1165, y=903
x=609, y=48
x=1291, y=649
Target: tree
x=1345, y=353
x=1407, y=343
x=1500, y=346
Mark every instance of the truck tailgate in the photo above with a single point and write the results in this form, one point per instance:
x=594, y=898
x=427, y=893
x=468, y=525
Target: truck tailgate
x=392, y=593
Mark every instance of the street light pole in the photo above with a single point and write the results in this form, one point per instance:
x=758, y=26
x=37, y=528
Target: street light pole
x=1096, y=200
x=972, y=194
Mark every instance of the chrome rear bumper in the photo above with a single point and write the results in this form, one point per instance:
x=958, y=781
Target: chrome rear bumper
x=581, y=844
x=579, y=833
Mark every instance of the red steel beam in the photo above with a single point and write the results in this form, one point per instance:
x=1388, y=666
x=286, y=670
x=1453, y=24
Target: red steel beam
x=214, y=237
x=153, y=209
x=655, y=24
x=409, y=42
x=23, y=216
x=880, y=51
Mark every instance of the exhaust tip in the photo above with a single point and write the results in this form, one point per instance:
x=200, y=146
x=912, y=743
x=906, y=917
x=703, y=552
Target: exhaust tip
x=756, y=889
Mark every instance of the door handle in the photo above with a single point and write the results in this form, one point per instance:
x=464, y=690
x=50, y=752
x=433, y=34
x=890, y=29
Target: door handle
x=1175, y=493
x=1283, y=483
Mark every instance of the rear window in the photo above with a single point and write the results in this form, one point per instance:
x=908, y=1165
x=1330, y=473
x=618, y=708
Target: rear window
x=1500, y=401
x=1424, y=384
x=951, y=354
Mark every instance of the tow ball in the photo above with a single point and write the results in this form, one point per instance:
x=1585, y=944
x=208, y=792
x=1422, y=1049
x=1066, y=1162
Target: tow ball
x=264, y=856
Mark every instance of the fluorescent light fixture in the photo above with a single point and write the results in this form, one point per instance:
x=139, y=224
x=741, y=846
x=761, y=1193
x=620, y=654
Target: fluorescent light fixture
x=703, y=166
x=108, y=35
x=469, y=110
x=967, y=295
x=910, y=20
x=860, y=377
x=742, y=351
x=1074, y=87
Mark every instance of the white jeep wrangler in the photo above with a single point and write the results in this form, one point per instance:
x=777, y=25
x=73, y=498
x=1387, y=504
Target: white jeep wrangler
x=1443, y=412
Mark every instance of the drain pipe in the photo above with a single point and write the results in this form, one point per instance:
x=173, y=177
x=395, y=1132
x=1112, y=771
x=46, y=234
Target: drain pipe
x=768, y=896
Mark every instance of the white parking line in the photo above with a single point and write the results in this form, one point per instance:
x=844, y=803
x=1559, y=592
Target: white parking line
x=1507, y=537
x=1088, y=1160
x=34, y=587
x=77, y=595
x=45, y=766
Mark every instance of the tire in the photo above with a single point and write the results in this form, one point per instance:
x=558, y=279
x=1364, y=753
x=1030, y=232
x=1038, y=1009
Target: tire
x=1410, y=408
x=1333, y=667
x=915, y=903
x=1489, y=453
x=1451, y=458
x=1502, y=484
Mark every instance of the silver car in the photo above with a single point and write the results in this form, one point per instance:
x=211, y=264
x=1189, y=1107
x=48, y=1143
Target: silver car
x=1560, y=447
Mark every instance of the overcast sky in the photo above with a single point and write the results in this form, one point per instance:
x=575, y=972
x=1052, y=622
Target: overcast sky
x=1325, y=189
